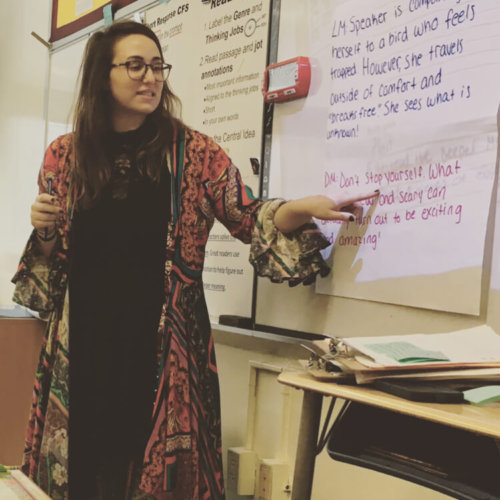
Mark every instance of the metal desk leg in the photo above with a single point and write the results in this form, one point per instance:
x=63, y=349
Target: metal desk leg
x=306, y=447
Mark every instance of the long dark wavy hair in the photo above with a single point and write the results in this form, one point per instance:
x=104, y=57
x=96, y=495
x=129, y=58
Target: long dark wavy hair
x=93, y=119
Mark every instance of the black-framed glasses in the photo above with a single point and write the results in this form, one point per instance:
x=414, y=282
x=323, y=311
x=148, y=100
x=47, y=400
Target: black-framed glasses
x=137, y=70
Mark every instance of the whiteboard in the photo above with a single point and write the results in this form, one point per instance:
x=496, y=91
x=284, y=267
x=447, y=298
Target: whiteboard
x=369, y=262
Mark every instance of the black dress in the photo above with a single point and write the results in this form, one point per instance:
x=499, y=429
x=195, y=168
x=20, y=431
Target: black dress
x=116, y=294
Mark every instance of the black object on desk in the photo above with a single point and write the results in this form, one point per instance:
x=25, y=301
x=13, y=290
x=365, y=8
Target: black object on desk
x=424, y=392
x=454, y=461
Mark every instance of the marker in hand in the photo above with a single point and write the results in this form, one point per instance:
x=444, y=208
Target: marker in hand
x=49, y=191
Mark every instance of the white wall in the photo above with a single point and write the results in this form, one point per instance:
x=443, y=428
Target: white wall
x=24, y=63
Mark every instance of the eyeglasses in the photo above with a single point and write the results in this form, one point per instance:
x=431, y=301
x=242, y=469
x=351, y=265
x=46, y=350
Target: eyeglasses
x=137, y=70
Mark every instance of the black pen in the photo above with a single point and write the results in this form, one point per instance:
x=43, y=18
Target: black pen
x=49, y=191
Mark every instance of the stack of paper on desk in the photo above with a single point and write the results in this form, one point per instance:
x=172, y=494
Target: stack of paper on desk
x=473, y=353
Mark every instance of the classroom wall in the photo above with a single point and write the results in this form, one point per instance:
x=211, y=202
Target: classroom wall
x=23, y=83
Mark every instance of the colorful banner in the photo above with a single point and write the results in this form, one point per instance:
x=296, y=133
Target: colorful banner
x=70, y=16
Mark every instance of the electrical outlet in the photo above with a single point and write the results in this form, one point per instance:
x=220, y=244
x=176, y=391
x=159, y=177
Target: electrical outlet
x=272, y=480
x=241, y=468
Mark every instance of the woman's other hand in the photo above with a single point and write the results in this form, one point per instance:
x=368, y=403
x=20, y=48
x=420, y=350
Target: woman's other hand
x=44, y=213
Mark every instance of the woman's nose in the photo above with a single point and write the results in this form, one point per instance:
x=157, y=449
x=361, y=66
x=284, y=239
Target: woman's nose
x=149, y=75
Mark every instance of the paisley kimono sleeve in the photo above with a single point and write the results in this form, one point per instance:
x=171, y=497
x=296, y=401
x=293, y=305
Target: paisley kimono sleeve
x=294, y=257
x=40, y=281
x=233, y=203
x=32, y=280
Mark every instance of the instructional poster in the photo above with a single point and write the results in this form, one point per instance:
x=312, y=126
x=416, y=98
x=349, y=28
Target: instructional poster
x=404, y=99
x=218, y=52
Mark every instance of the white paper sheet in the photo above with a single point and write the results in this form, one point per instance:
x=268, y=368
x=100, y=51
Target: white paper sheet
x=404, y=98
x=473, y=345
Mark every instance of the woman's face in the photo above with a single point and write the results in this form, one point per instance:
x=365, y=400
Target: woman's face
x=133, y=100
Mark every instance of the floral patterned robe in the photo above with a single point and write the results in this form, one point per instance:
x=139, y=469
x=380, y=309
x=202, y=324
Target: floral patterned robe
x=183, y=456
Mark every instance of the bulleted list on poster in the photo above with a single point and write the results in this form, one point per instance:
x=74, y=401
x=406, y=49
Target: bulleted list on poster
x=218, y=51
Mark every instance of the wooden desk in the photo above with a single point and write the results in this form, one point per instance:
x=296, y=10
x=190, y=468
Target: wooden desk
x=481, y=420
x=16, y=486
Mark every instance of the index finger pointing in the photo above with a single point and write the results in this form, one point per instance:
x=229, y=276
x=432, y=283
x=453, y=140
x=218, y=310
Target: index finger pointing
x=348, y=200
